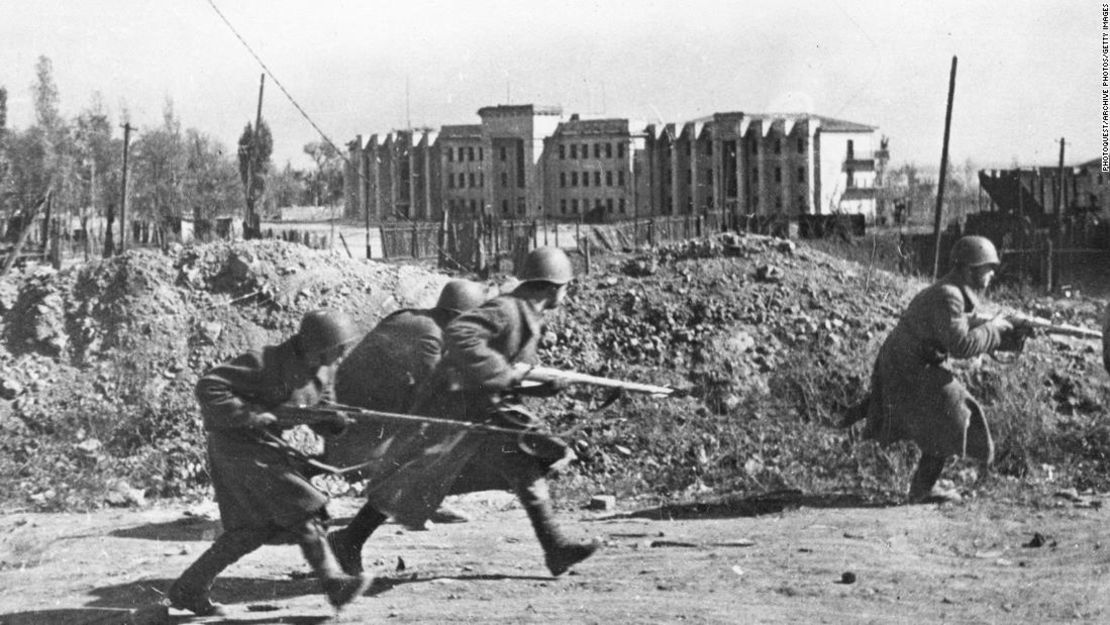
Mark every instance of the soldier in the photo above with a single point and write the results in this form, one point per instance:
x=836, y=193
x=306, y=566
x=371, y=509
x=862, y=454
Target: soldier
x=488, y=352
x=263, y=494
x=382, y=373
x=914, y=396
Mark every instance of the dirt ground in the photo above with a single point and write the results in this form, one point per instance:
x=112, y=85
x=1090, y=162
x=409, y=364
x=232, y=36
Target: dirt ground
x=786, y=558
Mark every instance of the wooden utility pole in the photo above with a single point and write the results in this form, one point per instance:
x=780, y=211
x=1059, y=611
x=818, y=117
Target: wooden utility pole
x=252, y=224
x=127, y=128
x=943, y=171
x=1057, y=243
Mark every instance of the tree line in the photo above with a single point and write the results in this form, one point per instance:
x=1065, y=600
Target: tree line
x=172, y=171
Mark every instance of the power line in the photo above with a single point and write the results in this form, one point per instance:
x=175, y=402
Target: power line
x=304, y=114
x=277, y=82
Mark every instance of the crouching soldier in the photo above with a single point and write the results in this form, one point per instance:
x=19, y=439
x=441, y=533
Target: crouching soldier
x=262, y=492
x=914, y=396
x=488, y=351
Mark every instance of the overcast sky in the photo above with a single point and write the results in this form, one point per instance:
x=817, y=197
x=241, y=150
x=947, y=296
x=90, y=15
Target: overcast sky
x=1029, y=71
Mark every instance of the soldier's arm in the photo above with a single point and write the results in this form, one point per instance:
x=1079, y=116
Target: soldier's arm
x=953, y=327
x=224, y=395
x=469, y=352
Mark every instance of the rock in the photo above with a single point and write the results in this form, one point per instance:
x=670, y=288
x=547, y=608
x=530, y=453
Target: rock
x=124, y=495
x=768, y=273
x=602, y=502
x=9, y=389
x=847, y=577
x=786, y=247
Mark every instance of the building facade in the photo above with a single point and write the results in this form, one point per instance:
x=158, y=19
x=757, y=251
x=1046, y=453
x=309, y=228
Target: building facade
x=529, y=162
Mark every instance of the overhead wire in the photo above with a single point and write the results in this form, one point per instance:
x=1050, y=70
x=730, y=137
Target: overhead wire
x=357, y=171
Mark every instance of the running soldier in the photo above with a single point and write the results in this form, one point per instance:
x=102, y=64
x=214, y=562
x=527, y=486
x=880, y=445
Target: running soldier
x=488, y=353
x=262, y=492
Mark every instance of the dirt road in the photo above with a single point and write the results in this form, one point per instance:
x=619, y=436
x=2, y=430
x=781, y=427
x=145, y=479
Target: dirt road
x=791, y=559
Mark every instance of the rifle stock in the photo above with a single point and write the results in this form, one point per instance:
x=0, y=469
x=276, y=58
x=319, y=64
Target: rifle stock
x=540, y=375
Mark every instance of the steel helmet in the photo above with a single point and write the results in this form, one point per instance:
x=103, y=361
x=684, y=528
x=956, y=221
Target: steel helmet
x=460, y=296
x=546, y=264
x=973, y=251
x=323, y=329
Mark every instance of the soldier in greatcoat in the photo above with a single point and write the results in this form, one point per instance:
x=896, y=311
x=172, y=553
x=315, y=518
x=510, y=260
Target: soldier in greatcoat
x=488, y=352
x=261, y=488
x=914, y=396
x=382, y=373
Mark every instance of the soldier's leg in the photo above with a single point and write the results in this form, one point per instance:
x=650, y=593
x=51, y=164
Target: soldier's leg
x=923, y=488
x=191, y=590
x=339, y=587
x=347, y=543
x=560, y=552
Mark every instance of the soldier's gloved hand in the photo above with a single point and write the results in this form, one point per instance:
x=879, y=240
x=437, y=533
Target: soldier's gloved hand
x=330, y=425
x=261, y=420
x=1001, y=324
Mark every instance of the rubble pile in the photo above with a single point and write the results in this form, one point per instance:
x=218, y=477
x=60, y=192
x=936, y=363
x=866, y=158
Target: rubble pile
x=774, y=339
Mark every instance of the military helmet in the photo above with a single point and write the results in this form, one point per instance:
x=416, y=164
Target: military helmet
x=324, y=329
x=461, y=295
x=973, y=251
x=546, y=264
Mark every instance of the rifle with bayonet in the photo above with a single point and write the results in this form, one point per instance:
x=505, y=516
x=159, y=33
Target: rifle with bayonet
x=340, y=415
x=1028, y=326
x=545, y=375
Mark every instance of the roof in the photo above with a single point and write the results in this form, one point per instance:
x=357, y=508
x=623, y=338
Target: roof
x=577, y=127
x=461, y=131
x=519, y=109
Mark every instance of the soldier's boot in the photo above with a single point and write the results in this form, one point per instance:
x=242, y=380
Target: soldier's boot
x=923, y=485
x=191, y=590
x=560, y=553
x=347, y=543
x=339, y=587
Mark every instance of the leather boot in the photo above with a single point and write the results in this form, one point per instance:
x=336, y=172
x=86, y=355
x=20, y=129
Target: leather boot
x=923, y=488
x=190, y=591
x=339, y=587
x=347, y=543
x=560, y=553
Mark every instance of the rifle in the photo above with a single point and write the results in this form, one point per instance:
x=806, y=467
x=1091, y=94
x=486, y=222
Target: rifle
x=540, y=375
x=1029, y=325
x=329, y=414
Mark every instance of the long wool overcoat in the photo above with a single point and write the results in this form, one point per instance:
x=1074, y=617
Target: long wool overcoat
x=481, y=348
x=259, y=486
x=382, y=373
x=914, y=396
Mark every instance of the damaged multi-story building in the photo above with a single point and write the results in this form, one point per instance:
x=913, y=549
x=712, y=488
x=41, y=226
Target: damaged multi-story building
x=531, y=162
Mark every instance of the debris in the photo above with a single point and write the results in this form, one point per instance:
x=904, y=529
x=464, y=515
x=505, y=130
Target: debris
x=847, y=577
x=602, y=502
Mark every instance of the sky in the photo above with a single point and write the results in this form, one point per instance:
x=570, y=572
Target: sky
x=1029, y=72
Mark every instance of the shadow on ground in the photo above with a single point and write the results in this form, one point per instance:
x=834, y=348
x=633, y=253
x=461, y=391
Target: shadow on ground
x=755, y=505
x=183, y=529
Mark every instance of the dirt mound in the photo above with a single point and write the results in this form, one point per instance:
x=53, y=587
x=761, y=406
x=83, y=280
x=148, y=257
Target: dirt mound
x=103, y=358
x=98, y=364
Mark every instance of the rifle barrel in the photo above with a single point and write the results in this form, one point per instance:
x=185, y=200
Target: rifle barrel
x=543, y=374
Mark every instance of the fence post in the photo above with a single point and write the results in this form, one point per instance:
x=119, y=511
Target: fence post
x=545, y=230
x=1049, y=273
x=415, y=248
x=586, y=253
x=578, y=232
x=535, y=235
x=651, y=232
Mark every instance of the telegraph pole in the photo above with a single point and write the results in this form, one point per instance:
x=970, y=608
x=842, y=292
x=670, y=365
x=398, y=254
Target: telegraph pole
x=127, y=128
x=252, y=225
x=943, y=171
